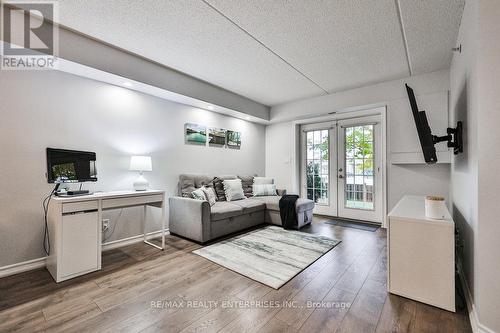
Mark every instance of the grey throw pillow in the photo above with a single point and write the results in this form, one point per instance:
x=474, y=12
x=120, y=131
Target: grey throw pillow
x=247, y=182
x=209, y=194
x=233, y=190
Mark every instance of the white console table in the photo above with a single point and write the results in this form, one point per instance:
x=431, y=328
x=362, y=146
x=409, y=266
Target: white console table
x=75, y=228
x=421, y=254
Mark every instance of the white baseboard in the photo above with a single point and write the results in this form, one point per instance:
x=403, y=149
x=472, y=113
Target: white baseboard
x=22, y=267
x=477, y=327
x=131, y=240
x=40, y=262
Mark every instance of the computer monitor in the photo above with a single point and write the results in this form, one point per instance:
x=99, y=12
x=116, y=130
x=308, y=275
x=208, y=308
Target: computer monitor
x=70, y=166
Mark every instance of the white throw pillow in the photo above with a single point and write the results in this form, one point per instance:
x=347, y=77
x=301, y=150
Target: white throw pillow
x=233, y=189
x=264, y=190
x=209, y=194
x=198, y=194
x=262, y=180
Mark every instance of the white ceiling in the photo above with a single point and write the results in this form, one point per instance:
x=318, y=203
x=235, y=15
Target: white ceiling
x=276, y=51
x=431, y=29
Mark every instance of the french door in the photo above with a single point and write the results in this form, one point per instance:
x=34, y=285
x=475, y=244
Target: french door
x=342, y=168
x=319, y=165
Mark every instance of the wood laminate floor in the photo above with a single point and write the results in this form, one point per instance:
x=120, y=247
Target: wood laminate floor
x=141, y=289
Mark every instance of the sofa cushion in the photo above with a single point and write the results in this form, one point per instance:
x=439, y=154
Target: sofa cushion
x=188, y=183
x=203, y=180
x=219, y=186
x=223, y=210
x=302, y=205
x=250, y=206
x=247, y=182
x=271, y=202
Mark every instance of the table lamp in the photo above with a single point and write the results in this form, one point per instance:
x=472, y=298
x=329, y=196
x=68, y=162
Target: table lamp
x=141, y=164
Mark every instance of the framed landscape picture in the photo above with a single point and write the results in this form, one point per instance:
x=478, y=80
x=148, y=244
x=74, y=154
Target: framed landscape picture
x=216, y=137
x=233, y=139
x=195, y=134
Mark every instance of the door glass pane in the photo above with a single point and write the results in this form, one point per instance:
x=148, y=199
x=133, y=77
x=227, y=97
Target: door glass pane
x=310, y=138
x=318, y=166
x=359, y=157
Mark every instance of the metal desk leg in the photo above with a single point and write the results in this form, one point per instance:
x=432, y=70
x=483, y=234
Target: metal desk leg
x=163, y=235
x=163, y=224
x=144, y=210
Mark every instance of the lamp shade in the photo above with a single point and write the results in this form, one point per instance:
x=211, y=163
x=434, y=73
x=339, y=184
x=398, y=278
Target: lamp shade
x=141, y=163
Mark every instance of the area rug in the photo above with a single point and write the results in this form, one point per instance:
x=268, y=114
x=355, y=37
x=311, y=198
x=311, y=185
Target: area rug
x=353, y=224
x=272, y=255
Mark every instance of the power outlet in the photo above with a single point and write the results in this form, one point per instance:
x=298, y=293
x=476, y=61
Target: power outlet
x=105, y=224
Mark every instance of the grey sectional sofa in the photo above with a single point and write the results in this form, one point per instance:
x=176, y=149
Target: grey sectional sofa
x=196, y=220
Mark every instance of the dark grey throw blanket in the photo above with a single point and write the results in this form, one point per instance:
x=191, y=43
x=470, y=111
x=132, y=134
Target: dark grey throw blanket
x=287, y=211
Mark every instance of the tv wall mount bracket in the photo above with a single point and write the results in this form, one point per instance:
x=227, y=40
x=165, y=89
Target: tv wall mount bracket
x=453, y=138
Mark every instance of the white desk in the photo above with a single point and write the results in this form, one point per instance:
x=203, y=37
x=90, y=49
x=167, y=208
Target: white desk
x=75, y=228
x=421, y=254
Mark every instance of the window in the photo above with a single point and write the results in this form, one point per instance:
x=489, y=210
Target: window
x=318, y=166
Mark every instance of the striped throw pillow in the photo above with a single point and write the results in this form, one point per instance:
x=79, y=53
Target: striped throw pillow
x=264, y=190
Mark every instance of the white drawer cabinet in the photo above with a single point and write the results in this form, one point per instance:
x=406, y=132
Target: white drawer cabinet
x=79, y=244
x=75, y=240
x=421, y=254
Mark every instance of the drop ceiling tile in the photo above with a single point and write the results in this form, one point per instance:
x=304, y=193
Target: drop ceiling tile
x=431, y=30
x=190, y=36
x=338, y=44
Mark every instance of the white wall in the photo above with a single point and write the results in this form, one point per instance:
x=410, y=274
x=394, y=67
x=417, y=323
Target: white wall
x=53, y=109
x=475, y=100
x=463, y=105
x=432, y=95
x=279, y=154
x=488, y=65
